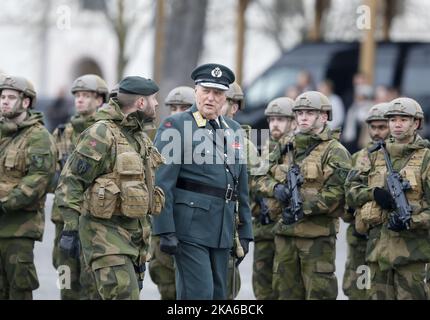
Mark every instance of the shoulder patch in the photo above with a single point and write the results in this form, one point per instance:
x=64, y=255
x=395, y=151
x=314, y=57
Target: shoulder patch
x=82, y=166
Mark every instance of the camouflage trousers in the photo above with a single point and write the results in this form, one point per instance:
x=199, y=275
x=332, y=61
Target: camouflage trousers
x=162, y=270
x=232, y=268
x=304, y=268
x=356, y=257
x=18, y=277
x=116, y=278
x=81, y=285
x=405, y=282
x=264, y=254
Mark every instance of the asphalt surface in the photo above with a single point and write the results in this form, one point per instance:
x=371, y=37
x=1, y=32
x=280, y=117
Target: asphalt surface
x=48, y=289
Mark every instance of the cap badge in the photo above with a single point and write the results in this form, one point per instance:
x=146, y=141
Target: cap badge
x=216, y=73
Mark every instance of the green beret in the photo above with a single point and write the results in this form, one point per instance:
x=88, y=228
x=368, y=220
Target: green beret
x=213, y=75
x=138, y=85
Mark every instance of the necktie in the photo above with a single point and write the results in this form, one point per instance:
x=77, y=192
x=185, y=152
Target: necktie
x=217, y=129
x=214, y=124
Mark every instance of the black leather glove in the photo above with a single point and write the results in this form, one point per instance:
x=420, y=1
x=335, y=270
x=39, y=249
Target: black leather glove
x=69, y=243
x=245, y=246
x=383, y=198
x=280, y=192
x=395, y=224
x=140, y=274
x=169, y=243
x=2, y=209
x=288, y=217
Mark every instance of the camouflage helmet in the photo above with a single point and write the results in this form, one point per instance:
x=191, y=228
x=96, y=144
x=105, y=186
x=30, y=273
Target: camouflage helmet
x=91, y=82
x=405, y=107
x=19, y=84
x=281, y=107
x=313, y=100
x=377, y=112
x=235, y=93
x=180, y=96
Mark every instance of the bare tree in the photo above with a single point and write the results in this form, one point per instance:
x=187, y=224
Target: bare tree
x=126, y=19
x=184, y=32
x=283, y=18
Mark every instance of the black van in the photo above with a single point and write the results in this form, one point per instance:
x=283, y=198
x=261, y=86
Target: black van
x=404, y=65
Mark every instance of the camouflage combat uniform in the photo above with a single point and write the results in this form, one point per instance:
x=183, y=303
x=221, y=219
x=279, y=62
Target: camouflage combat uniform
x=305, y=252
x=396, y=259
x=108, y=180
x=356, y=241
x=264, y=245
x=27, y=164
x=66, y=138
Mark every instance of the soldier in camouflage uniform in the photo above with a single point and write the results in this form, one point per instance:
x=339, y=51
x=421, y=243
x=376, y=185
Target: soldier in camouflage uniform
x=234, y=103
x=397, y=251
x=378, y=129
x=90, y=92
x=161, y=266
x=27, y=167
x=279, y=113
x=305, y=249
x=107, y=189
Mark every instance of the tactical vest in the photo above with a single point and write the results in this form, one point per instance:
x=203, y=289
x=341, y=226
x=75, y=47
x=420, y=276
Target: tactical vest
x=13, y=168
x=371, y=212
x=314, y=178
x=128, y=190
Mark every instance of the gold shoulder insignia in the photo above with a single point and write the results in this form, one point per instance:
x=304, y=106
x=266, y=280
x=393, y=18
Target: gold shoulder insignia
x=199, y=119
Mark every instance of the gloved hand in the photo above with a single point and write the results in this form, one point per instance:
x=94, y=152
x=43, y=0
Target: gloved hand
x=169, y=243
x=280, y=192
x=245, y=246
x=288, y=217
x=395, y=224
x=2, y=209
x=383, y=198
x=69, y=243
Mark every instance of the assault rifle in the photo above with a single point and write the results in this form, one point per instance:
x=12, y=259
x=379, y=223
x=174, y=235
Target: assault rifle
x=401, y=216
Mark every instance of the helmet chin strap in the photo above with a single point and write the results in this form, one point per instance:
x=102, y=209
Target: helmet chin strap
x=407, y=134
x=312, y=127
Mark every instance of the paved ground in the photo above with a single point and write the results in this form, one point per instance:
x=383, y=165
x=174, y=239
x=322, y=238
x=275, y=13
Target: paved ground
x=47, y=274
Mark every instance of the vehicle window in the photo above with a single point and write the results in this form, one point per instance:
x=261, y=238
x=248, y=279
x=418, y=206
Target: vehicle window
x=385, y=62
x=417, y=72
x=271, y=85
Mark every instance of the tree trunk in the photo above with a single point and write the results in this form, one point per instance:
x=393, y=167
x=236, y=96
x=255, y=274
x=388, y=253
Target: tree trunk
x=185, y=29
x=121, y=31
x=320, y=7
